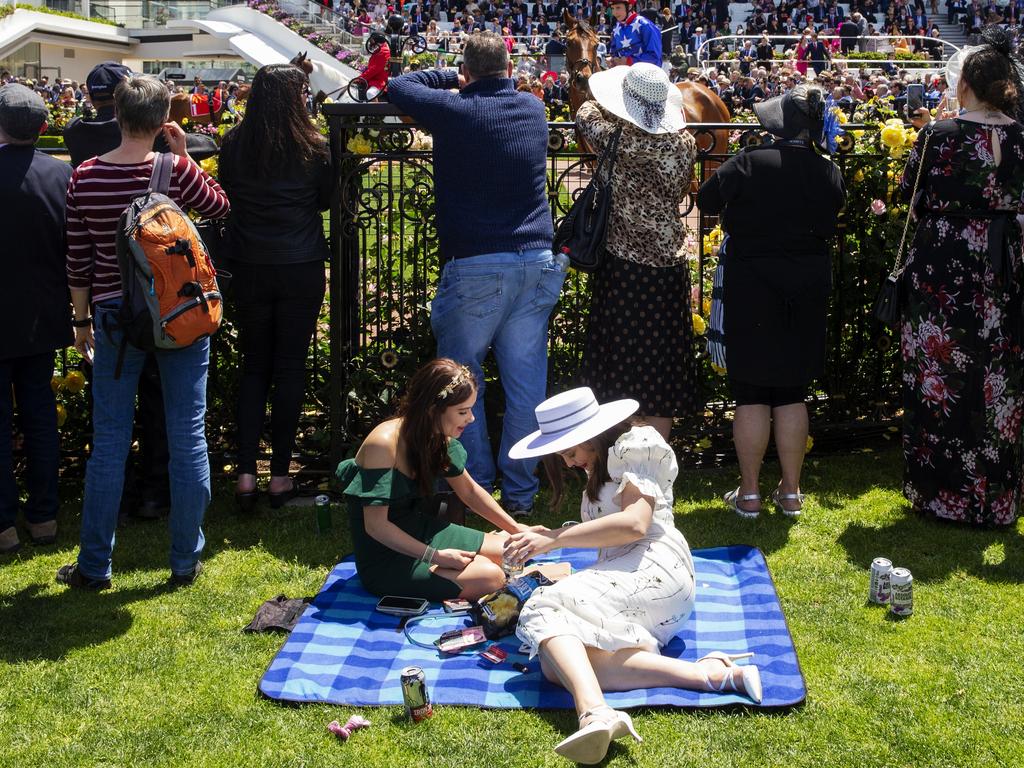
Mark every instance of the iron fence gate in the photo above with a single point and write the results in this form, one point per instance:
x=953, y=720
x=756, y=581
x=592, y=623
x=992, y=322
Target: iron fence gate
x=386, y=261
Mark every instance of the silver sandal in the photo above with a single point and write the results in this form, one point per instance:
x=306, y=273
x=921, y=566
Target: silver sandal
x=778, y=498
x=733, y=499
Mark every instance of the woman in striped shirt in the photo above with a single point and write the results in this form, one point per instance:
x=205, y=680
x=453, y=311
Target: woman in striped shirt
x=101, y=188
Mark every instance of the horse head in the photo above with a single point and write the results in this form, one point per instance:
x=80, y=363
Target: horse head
x=581, y=59
x=302, y=61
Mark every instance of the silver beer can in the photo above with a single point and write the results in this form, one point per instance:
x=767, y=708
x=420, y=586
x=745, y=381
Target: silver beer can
x=880, y=590
x=902, y=583
x=415, y=695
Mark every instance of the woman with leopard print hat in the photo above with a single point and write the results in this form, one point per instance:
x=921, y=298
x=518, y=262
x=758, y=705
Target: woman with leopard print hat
x=639, y=340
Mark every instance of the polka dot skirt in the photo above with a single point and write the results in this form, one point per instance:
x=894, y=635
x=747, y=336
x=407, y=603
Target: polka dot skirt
x=640, y=338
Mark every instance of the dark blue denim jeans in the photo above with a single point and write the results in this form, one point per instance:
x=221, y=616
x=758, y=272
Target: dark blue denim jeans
x=500, y=301
x=26, y=380
x=183, y=374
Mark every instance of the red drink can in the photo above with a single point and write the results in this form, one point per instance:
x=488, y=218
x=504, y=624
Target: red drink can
x=880, y=590
x=415, y=695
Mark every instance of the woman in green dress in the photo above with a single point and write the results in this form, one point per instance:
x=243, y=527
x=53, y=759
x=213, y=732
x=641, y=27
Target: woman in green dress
x=400, y=549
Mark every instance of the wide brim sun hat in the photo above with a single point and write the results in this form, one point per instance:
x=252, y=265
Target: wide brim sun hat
x=641, y=94
x=568, y=419
x=782, y=116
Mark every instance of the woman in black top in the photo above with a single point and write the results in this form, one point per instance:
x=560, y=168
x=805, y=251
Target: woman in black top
x=779, y=204
x=276, y=169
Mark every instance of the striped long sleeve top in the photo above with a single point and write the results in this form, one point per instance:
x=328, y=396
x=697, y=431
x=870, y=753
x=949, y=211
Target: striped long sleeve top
x=98, y=193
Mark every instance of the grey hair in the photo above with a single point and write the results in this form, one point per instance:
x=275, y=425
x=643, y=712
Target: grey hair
x=485, y=55
x=142, y=104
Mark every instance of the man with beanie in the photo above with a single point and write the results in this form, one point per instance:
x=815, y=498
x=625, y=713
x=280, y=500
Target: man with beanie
x=500, y=280
x=34, y=311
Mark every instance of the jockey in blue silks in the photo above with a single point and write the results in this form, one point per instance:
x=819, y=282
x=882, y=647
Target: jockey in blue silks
x=635, y=38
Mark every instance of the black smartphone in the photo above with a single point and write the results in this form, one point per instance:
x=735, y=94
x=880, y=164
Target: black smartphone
x=402, y=606
x=915, y=98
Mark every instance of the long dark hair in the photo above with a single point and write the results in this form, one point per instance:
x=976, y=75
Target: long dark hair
x=438, y=385
x=554, y=467
x=993, y=72
x=276, y=132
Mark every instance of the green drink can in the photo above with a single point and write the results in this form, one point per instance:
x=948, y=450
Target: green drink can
x=322, y=513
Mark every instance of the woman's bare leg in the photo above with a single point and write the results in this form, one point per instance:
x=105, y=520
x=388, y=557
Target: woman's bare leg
x=632, y=668
x=481, y=577
x=493, y=545
x=588, y=677
x=751, y=427
x=791, y=442
x=565, y=661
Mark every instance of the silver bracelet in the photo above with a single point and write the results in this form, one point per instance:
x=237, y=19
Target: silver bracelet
x=428, y=555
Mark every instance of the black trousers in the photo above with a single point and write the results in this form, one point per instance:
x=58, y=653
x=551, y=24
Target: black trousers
x=27, y=379
x=276, y=306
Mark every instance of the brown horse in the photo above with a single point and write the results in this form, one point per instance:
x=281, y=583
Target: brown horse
x=700, y=104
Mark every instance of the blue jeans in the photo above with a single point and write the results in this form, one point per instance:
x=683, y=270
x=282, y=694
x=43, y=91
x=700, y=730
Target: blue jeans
x=501, y=301
x=183, y=375
x=27, y=379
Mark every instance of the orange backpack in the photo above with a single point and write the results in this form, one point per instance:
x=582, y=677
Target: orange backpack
x=170, y=298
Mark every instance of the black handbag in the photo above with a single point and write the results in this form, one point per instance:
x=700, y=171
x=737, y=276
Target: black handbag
x=889, y=304
x=581, y=233
x=217, y=237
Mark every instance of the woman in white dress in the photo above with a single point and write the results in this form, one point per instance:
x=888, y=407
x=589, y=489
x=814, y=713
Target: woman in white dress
x=602, y=628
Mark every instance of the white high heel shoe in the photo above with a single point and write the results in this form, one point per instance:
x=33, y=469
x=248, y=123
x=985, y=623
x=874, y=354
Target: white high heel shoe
x=590, y=743
x=749, y=674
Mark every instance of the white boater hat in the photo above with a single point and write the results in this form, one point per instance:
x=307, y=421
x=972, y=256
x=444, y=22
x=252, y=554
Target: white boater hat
x=641, y=94
x=568, y=419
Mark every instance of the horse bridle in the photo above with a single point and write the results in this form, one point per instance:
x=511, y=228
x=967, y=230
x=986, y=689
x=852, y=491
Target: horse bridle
x=576, y=76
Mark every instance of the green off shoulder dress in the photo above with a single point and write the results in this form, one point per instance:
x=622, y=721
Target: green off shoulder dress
x=384, y=571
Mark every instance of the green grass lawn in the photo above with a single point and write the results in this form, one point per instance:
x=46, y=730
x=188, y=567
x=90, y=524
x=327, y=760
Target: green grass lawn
x=143, y=676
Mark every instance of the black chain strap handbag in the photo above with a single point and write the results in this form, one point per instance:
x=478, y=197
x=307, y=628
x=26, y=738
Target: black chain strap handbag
x=581, y=233
x=889, y=304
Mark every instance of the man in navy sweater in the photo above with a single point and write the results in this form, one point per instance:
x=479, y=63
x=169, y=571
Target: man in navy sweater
x=500, y=281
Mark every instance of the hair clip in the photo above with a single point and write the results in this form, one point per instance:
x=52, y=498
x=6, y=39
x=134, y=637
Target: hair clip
x=464, y=375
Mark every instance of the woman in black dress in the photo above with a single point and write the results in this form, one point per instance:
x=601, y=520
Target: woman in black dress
x=779, y=204
x=963, y=323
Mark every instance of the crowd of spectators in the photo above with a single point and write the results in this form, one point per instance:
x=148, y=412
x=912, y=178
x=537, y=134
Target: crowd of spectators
x=71, y=98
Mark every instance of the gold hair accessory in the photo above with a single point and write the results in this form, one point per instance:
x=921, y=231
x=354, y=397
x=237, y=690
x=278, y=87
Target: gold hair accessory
x=463, y=376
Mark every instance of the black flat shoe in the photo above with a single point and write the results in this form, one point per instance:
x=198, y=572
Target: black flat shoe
x=43, y=534
x=246, y=501
x=278, y=500
x=74, y=578
x=185, y=579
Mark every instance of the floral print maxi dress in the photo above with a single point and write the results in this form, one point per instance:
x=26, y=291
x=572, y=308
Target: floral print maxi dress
x=961, y=325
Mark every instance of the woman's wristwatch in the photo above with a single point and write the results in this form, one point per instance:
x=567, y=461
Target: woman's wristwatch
x=85, y=323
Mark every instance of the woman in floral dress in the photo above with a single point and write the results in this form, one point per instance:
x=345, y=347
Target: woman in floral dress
x=962, y=322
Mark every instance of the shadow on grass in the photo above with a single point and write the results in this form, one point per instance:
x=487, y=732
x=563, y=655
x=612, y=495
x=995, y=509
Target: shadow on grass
x=933, y=549
x=716, y=526
x=59, y=622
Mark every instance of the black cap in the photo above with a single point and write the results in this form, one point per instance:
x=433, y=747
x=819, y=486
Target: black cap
x=104, y=79
x=22, y=112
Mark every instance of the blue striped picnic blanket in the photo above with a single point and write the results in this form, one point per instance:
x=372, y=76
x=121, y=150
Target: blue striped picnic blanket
x=343, y=652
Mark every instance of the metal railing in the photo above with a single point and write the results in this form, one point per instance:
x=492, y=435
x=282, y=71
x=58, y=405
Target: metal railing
x=704, y=60
x=385, y=263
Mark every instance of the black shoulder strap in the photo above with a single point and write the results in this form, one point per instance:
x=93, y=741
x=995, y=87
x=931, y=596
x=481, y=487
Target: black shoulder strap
x=160, y=181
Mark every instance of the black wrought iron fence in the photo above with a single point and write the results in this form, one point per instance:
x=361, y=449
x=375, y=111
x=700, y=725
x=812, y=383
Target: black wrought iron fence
x=386, y=261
